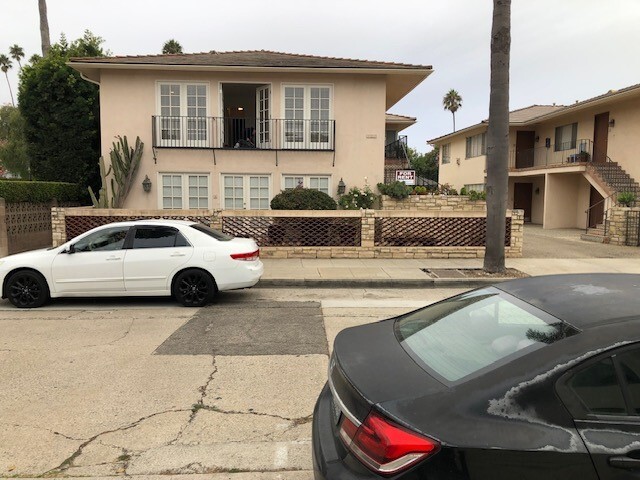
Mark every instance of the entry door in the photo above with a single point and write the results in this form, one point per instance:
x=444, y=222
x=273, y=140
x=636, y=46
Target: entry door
x=522, y=198
x=600, y=137
x=525, y=142
x=263, y=107
x=596, y=208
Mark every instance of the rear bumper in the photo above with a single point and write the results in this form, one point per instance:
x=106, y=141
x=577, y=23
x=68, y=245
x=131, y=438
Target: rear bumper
x=244, y=275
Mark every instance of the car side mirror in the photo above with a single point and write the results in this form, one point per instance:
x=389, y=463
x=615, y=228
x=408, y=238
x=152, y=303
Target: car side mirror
x=71, y=249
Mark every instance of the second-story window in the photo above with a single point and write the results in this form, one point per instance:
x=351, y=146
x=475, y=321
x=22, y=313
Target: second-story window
x=476, y=145
x=566, y=137
x=445, y=153
x=307, y=114
x=183, y=114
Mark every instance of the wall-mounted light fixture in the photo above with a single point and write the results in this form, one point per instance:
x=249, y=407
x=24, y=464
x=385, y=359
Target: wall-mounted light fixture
x=537, y=138
x=240, y=109
x=537, y=190
x=146, y=184
x=612, y=122
x=341, y=187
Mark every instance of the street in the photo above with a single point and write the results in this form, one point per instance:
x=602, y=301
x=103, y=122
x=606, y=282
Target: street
x=145, y=387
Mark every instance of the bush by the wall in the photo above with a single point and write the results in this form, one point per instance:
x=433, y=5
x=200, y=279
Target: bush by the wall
x=15, y=191
x=395, y=189
x=303, y=199
x=356, y=199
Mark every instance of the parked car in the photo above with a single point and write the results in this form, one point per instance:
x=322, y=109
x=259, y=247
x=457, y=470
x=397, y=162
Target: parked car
x=143, y=258
x=529, y=379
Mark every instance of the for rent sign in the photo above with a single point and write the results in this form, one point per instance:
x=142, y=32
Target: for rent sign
x=406, y=176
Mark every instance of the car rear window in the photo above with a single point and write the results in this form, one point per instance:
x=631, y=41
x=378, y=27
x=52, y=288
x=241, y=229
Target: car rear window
x=218, y=235
x=476, y=332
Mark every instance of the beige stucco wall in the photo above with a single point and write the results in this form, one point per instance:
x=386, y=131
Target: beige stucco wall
x=461, y=171
x=566, y=198
x=128, y=100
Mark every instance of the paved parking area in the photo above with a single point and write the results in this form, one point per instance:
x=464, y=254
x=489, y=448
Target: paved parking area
x=145, y=388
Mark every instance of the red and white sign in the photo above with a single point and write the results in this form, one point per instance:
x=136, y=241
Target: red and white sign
x=408, y=177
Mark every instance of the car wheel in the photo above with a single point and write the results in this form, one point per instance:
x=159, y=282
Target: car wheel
x=27, y=289
x=194, y=288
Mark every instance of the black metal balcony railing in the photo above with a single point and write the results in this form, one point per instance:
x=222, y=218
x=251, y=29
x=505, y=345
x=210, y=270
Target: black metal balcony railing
x=397, y=149
x=243, y=133
x=580, y=151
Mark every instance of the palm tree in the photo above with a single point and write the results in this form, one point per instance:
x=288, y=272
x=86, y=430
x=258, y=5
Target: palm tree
x=5, y=65
x=16, y=53
x=498, y=137
x=171, y=46
x=452, y=101
x=45, y=40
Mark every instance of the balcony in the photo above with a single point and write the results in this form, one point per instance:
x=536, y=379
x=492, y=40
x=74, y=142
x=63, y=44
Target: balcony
x=565, y=154
x=243, y=133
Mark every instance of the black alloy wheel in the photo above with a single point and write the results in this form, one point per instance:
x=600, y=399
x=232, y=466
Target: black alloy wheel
x=27, y=289
x=194, y=288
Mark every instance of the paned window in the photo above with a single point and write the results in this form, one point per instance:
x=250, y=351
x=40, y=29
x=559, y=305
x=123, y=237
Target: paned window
x=242, y=191
x=476, y=145
x=566, y=137
x=307, y=113
x=315, y=182
x=183, y=112
x=185, y=191
x=446, y=153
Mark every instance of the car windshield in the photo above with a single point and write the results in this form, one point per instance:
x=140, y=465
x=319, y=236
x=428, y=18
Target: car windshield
x=218, y=235
x=475, y=332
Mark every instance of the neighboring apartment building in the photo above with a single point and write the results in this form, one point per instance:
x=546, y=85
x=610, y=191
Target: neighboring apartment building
x=232, y=129
x=567, y=163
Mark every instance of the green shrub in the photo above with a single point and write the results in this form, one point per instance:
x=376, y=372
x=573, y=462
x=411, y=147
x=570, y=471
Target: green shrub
x=395, y=189
x=474, y=196
x=447, y=189
x=356, y=199
x=420, y=190
x=303, y=199
x=16, y=191
x=626, y=199
x=463, y=191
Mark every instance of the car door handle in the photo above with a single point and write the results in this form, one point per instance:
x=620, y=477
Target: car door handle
x=624, y=462
x=110, y=259
x=177, y=254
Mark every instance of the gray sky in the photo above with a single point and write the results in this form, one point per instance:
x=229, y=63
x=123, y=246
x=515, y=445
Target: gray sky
x=562, y=50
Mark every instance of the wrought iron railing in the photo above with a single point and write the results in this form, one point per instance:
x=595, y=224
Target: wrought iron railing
x=397, y=149
x=243, y=133
x=580, y=151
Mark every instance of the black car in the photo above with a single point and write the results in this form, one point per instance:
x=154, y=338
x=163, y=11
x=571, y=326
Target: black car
x=535, y=378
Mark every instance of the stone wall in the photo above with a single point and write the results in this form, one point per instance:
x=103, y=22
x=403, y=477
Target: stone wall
x=445, y=203
x=366, y=249
x=618, y=219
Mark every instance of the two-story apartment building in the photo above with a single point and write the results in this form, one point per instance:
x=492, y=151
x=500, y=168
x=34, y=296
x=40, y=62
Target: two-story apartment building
x=567, y=163
x=232, y=129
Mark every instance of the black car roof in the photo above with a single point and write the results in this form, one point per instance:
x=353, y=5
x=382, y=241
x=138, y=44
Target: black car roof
x=583, y=300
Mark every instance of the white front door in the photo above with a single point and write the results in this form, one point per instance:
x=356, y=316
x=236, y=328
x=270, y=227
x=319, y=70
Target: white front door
x=96, y=264
x=156, y=253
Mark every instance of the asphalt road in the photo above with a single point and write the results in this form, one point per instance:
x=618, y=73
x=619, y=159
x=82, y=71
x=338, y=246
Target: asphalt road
x=144, y=387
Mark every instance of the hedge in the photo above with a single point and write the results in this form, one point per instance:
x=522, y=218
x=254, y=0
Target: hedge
x=15, y=191
x=303, y=199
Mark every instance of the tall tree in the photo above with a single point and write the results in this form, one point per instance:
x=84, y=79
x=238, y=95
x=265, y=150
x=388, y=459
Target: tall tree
x=171, y=46
x=5, y=65
x=16, y=53
x=62, y=115
x=498, y=137
x=45, y=39
x=425, y=164
x=452, y=101
x=13, y=144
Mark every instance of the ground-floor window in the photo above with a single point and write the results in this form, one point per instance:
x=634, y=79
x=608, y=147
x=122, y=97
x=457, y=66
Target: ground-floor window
x=185, y=191
x=246, y=191
x=475, y=187
x=315, y=182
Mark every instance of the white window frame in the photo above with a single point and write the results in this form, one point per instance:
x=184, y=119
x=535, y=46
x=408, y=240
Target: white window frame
x=307, y=142
x=184, y=121
x=306, y=181
x=445, y=151
x=471, y=147
x=185, y=194
x=246, y=190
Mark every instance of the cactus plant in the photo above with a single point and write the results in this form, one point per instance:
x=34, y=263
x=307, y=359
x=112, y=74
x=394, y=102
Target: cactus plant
x=101, y=201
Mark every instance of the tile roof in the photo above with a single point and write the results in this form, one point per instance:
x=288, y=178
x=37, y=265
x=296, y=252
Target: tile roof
x=249, y=58
x=526, y=114
x=392, y=117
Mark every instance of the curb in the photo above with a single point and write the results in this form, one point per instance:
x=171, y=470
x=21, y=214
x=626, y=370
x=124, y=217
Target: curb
x=378, y=282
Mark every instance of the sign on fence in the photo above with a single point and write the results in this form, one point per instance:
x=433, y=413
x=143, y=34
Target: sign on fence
x=408, y=177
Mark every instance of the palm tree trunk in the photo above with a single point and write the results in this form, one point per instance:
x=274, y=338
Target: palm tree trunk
x=10, y=91
x=454, y=120
x=44, y=27
x=498, y=137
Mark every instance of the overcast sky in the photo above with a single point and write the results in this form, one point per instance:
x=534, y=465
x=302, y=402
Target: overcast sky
x=562, y=50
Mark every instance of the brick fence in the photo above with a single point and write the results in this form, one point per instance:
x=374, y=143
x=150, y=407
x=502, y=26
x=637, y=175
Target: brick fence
x=443, y=203
x=624, y=226
x=326, y=233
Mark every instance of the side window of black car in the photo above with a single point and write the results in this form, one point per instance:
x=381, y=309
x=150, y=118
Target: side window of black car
x=598, y=389
x=630, y=368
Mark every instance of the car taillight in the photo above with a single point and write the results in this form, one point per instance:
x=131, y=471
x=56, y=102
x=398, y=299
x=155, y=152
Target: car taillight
x=247, y=257
x=384, y=446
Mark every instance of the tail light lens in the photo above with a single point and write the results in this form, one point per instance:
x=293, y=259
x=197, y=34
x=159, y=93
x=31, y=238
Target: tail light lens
x=384, y=446
x=246, y=257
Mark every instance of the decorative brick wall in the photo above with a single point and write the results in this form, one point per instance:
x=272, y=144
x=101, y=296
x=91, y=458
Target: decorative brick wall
x=65, y=220
x=443, y=203
x=618, y=219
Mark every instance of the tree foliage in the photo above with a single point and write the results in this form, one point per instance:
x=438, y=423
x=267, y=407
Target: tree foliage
x=13, y=145
x=425, y=164
x=61, y=113
x=171, y=46
x=452, y=101
x=5, y=66
x=17, y=53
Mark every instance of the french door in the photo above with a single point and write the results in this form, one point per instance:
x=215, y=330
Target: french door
x=252, y=192
x=307, y=117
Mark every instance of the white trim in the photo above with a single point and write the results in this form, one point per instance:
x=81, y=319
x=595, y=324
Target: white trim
x=306, y=180
x=245, y=188
x=185, y=189
x=306, y=116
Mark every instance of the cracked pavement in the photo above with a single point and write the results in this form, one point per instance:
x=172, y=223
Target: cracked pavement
x=85, y=392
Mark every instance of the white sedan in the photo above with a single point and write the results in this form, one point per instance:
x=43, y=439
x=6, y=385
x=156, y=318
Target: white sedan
x=143, y=258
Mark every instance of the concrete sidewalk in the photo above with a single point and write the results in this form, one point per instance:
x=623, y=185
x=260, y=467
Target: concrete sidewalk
x=407, y=273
